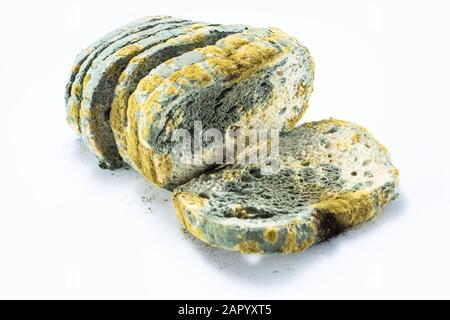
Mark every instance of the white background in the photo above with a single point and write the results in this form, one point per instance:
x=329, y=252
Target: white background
x=69, y=229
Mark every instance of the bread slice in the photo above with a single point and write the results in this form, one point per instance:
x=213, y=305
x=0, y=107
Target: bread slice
x=85, y=58
x=260, y=78
x=333, y=175
x=98, y=91
x=142, y=64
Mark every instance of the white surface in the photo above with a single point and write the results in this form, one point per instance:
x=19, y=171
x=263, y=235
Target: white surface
x=71, y=230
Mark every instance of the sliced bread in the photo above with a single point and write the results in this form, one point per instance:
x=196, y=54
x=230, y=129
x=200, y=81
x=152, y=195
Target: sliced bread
x=333, y=175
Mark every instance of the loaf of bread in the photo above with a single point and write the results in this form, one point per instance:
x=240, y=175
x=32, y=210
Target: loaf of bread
x=133, y=91
x=333, y=175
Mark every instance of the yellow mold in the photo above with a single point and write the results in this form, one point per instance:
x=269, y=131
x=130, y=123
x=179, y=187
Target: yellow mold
x=75, y=68
x=86, y=80
x=271, y=235
x=194, y=72
x=290, y=243
x=122, y=77
x=149, y=83
x=356, y=138
x=248, y=247
x=72, y=116
x=157, y=168
x=349, y=208
x=129, y=50
x=171, y=90
x=76, y=89
x=187, y=203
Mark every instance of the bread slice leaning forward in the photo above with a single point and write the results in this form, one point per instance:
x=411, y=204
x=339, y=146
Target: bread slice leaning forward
x=333, y=175
x=259, y=78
